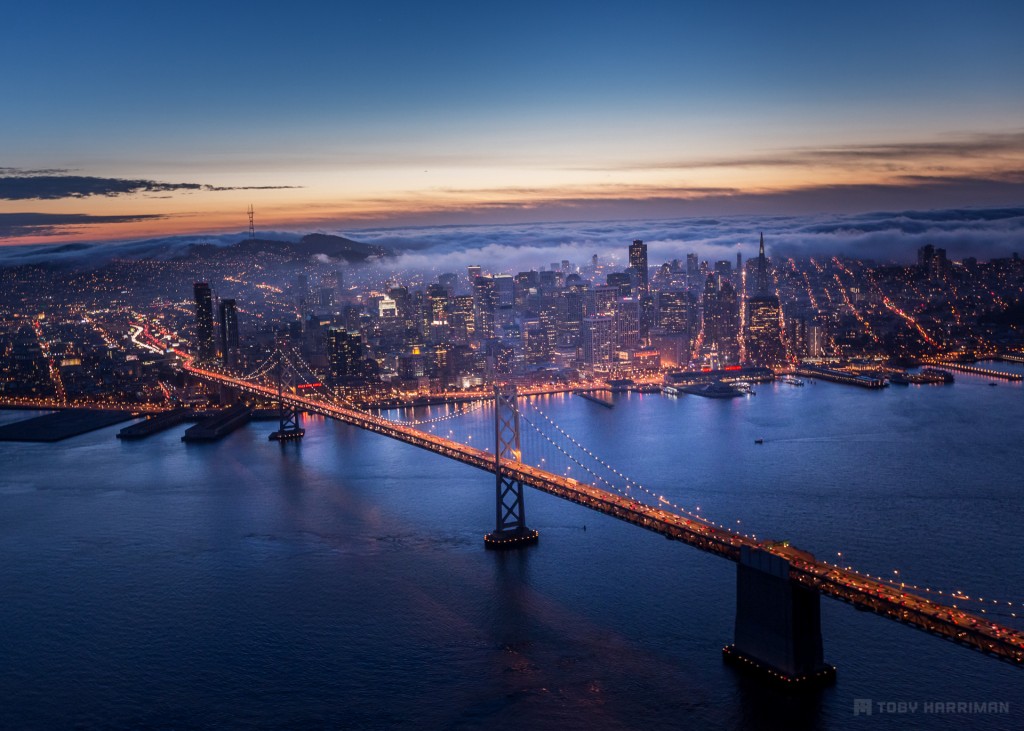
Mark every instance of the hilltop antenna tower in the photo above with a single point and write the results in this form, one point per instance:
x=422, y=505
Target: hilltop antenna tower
x=252, y=226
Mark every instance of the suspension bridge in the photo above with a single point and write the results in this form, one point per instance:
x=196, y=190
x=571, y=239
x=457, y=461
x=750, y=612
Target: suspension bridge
x=777, y=632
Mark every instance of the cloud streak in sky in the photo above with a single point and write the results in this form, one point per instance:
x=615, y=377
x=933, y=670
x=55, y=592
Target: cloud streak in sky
x=14, y=225
x=974, y=147
x=45, y=185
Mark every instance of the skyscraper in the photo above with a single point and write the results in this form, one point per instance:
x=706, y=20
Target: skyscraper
x=673, y=307
x=461, y=322
x=485, y=301
x=764, y=334
x=721, y=321
x=761, y=279
x=345, y=353
x=205, y=347
x=638, y=263
x=627, y=323
x=228, y=332
x=571, y=309
x=597, y=341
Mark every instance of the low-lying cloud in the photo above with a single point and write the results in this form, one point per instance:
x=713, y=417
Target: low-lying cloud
x=888, y=236
x=881, y=236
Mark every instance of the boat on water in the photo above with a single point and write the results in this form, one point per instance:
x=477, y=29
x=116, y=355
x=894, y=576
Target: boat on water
x=792, y=380
x=759, y=441
x=713, y=390
x=744, y=386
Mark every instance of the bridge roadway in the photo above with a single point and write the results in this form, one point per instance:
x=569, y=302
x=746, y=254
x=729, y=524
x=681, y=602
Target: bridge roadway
x=974, y=631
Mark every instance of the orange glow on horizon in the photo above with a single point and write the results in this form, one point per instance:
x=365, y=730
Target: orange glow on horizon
x=457, y=194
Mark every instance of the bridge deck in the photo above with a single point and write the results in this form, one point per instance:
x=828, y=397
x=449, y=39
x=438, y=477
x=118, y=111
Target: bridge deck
x=973, y=631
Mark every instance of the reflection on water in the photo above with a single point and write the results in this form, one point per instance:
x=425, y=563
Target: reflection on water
x=342, y=582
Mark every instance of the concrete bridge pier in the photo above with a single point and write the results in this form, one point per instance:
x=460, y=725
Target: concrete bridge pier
x=778, y=623
x=228, y=395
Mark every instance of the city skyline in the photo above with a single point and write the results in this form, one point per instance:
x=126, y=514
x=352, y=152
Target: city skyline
x=357, y=361
x=134, y=126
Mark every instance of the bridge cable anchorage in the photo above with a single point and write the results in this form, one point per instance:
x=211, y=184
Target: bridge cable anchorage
x=289, y=415
x=510, y=530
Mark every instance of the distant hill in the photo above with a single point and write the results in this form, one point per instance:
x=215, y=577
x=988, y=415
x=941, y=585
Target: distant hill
x=334, y=247
x=338, y=247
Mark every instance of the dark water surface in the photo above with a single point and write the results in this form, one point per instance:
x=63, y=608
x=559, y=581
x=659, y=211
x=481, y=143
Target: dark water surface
x=342, y=582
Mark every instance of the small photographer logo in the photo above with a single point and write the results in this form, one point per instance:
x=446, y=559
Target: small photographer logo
x=861, y=706
x=868, y=707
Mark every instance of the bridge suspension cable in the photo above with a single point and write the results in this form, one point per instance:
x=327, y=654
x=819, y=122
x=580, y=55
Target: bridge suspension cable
x=537, y=439
x=474, y=406
x=629, y=483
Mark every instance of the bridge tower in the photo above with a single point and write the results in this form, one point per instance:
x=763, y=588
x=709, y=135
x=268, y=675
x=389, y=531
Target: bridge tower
x=778, y=623
x=510, y=529
x=289, y=417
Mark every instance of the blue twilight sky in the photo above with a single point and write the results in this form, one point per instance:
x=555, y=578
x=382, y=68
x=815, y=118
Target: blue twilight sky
x=405, y=112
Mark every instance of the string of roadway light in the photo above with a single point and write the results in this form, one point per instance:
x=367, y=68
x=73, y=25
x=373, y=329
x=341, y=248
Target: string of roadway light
x=474, y=406
x=631, y=484
x=956, y=594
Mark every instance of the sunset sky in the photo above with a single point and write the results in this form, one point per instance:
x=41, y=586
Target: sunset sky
x=132, y=120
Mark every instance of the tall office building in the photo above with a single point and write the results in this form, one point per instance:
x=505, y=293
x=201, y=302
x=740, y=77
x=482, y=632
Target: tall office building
x=761, y=286
x=228, y=332
x=604, y=298
x=932, y=260
x=627, y=323
x=461, y=322
x=572, y=308
x=764, y=333
x=205, y=347
x=485, y=301
x=434, y=313
x=638, y=263
x=721, y=321
x=504, y=289
x=673, y=310
x=816, y=340
x=597, y=341
x=345, y=353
